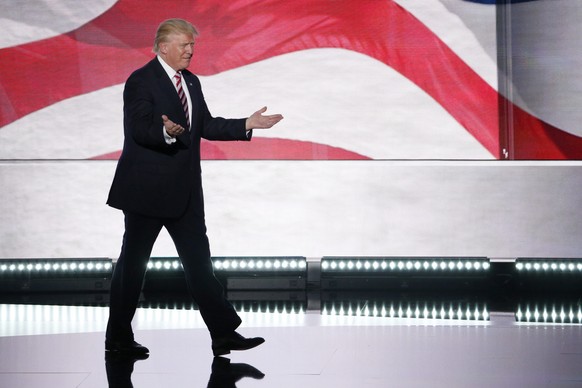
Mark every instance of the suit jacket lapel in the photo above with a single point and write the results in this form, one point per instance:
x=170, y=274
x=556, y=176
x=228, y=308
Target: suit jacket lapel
x=193, y=91
x=167, y=87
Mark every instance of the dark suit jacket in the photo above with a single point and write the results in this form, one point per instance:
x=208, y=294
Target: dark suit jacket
x=152, y=177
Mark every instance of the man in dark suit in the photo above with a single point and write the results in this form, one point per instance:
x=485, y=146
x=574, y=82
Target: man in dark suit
x=158, y=184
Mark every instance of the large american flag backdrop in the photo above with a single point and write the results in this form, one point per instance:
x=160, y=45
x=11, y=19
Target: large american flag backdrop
x=366, y=79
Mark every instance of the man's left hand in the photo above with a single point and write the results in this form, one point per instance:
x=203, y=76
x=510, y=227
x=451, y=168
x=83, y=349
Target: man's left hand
x=258, y=120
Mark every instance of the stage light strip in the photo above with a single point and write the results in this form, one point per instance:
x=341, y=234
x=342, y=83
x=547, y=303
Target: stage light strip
x=164, y=265
x=271, y=315
x=549, y=314
x=398, y=310
x=273, y=264
x=48, y=267
x=271, y=307
x=404, y=264
x=278, y=307
x=549, y=266
x=30, y=319
x=260, y=264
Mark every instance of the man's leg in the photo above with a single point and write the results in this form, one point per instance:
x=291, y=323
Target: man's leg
x=126, y=284
x=189, y=235
x=193, y=248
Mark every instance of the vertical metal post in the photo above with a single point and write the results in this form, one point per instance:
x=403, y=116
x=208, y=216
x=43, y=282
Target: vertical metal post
x=505, y=79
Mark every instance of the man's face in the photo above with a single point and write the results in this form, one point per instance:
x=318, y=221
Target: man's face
x=177, y=51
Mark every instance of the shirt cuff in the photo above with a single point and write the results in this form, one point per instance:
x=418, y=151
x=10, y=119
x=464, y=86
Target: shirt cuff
x=169, y=139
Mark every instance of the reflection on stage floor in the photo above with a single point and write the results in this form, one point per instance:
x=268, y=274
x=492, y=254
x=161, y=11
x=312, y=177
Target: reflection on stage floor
x=326, y=340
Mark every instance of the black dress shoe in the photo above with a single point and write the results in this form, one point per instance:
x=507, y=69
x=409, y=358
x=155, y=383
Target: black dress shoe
x=234, y=341
x=125, y=347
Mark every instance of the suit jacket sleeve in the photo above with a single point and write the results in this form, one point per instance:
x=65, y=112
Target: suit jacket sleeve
x=213, y=128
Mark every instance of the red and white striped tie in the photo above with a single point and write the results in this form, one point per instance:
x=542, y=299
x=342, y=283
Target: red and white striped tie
x=182, y=96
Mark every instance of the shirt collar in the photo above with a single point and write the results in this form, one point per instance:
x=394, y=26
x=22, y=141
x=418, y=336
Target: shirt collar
x=171, y=72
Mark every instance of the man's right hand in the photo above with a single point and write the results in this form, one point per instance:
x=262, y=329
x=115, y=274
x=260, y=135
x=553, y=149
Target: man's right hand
x=172, y=129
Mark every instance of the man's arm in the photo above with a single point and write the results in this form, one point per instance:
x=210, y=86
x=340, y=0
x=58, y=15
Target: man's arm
x=138, y=105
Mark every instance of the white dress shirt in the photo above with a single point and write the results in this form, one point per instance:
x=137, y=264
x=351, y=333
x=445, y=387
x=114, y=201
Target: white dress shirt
x=171, y=73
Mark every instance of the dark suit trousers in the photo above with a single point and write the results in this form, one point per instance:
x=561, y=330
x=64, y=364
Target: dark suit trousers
x=189, y=235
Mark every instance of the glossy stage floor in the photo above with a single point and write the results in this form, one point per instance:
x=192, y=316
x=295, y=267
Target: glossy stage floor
x=322, y=345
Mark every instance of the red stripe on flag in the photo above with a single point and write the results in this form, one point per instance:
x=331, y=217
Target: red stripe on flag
x=264, y=149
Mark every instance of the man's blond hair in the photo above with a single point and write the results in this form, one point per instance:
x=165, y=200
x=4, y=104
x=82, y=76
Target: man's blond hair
x=172, y=26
